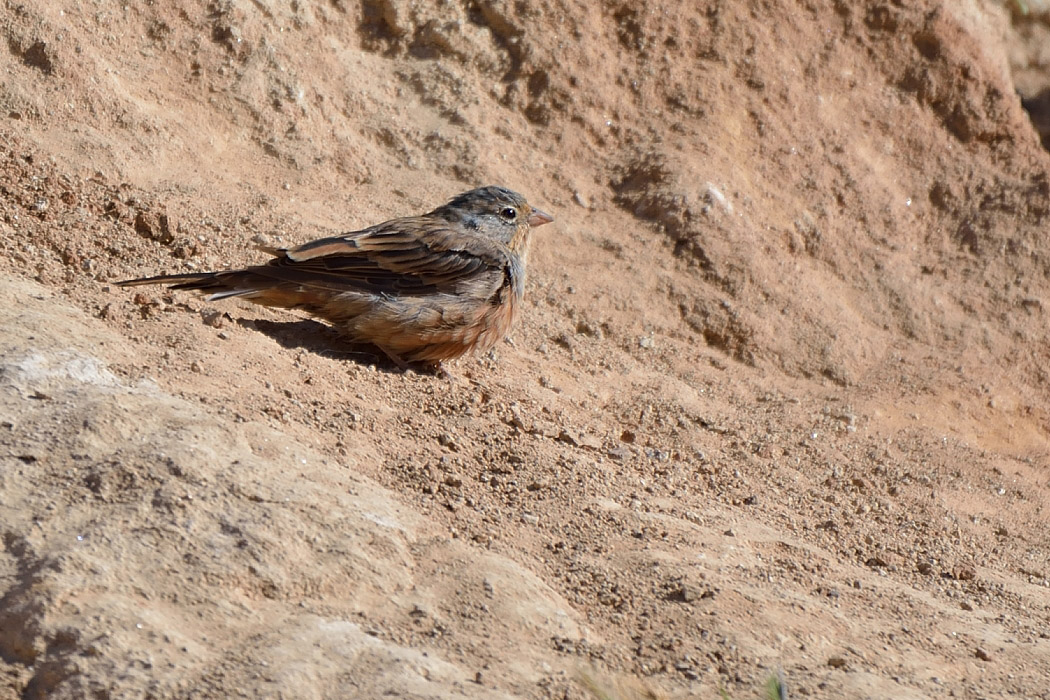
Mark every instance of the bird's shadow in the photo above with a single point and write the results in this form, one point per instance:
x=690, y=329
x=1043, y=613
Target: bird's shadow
x=321, y=339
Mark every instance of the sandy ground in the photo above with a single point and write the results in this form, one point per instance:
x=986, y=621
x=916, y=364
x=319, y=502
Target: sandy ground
x=778, y=399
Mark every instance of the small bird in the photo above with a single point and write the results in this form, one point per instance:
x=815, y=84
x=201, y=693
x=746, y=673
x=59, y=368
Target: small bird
x=422, y=289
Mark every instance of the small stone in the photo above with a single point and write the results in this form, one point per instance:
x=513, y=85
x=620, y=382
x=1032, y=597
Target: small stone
x=690, y=593
x=155, y=226
x=517, y=420
x=589, y=329
x=577, y=439
x=713, y=196
x=212, y=317
x=569, y=437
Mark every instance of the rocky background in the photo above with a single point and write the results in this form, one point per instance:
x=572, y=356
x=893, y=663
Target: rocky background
x=778, y=400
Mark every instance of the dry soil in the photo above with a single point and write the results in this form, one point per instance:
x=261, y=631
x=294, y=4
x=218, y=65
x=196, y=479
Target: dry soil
x=778, y=399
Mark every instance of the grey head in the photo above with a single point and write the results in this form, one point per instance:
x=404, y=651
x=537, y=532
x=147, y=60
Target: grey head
x=494, y=211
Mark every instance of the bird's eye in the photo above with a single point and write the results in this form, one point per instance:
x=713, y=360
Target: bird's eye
x=509, y=213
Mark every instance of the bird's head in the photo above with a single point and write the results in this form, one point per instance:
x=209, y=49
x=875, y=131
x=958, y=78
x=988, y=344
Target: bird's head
x=496, y=212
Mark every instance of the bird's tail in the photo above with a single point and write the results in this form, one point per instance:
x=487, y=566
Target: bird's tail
x=217, y=285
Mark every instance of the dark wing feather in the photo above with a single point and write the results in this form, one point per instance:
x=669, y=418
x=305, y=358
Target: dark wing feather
x=410, y=256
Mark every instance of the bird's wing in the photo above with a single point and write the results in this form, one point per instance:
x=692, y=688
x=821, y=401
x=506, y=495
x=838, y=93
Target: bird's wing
x=410, y=256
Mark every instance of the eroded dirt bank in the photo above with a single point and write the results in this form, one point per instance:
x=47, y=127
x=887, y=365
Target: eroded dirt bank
x=778, y=398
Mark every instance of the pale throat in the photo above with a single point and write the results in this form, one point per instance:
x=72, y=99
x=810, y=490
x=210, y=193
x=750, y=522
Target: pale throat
x=520, y=241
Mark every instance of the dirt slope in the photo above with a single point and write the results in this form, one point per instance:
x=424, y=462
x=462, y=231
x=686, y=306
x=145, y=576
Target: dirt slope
x=778, y=398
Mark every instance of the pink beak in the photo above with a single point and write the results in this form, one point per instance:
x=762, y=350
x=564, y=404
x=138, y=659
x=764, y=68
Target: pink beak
x=539, y=218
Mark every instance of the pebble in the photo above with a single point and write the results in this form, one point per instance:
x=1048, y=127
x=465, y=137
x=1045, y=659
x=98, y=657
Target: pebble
x=714, y=196
x=590, y=330
x=690, y=593
x=211, y=317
